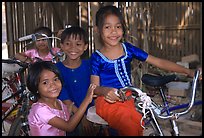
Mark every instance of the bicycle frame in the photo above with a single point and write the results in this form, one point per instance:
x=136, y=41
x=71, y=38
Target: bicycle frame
x=21, y=96
x=14, y=95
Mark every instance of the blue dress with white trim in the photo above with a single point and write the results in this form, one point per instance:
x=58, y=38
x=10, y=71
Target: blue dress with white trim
x=116, y=73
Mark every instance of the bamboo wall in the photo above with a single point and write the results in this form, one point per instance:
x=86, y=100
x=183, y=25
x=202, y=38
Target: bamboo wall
x=168, y=30
x=23, y=17
x=173, y=29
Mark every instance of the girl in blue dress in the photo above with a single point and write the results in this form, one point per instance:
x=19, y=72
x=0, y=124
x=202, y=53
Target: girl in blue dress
x=111, y=70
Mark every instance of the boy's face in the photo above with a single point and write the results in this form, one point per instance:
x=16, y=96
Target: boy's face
x=74, y=47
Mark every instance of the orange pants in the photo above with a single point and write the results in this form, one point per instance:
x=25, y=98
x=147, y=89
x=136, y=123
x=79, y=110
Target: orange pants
x=120, y=116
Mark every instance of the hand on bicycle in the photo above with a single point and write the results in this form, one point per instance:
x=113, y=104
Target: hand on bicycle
x=28, y=60
x=110, y=95
x=200, y=75
x=192, y=73
x=60, y=32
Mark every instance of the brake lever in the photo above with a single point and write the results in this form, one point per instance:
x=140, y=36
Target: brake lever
x=122, y=95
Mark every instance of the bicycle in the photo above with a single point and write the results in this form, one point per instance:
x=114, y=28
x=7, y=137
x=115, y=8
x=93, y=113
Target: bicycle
x=16, y=98
x=152, y=111
x=59, y=56
x=15, y=88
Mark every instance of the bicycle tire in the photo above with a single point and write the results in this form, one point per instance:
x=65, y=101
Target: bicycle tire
x=155, y=130
x=16, y=128
x=151, y=125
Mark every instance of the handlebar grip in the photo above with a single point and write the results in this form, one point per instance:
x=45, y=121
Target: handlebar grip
x=10, y=61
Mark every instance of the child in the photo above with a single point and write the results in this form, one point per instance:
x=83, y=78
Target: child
x=41, y=49
x=75, y=73
x=49, y=116
x=111, y=70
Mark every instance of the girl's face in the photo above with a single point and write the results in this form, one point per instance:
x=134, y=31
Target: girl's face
x=74, y=48
x=49, y=85
x=41, y=44
x=112, y=31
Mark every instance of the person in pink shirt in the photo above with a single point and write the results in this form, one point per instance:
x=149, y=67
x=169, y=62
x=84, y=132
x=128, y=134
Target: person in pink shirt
x=41, y=50
x=48, y=116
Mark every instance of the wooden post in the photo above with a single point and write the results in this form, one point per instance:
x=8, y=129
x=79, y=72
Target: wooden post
x=9, y=26
x=94, y=9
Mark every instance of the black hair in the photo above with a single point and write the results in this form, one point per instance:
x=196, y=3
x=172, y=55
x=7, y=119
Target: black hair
x=35, y=71
x=44, y=29
x=103, y=12
x=75, y=31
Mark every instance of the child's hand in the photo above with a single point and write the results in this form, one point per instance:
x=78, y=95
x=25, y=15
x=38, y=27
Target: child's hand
x=90, y=92
x=59, y=33
x=192, y=73
x=200, y=75
x=111, y=96
x=28, y=60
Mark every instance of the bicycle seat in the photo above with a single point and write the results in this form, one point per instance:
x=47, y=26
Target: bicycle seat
x=157, y=81
x=8, y=69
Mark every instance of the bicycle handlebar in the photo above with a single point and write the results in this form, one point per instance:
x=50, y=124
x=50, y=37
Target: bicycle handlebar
x=43, y=37
x=49, y=45
x=32, y=36
x=194, y=85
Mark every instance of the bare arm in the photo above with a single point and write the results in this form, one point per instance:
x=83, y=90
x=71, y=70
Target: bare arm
x=22, y=57
x=169, y=66
x=69, y=103
x=75, y=119
x=107, y=92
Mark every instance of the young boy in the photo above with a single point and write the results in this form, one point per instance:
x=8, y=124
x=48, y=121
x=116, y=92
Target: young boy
x=75, y=73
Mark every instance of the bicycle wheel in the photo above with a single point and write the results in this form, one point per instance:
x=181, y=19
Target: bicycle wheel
x=18, y=128
x=152, y=126
x=155, y=131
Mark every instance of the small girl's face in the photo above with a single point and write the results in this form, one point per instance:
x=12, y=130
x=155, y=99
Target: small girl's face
x=112, y=30
x=49, y=85
x=41, y=44
x=74, y=47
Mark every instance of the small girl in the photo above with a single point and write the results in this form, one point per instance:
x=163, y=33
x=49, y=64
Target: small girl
x=49, y=116
x=111, y=70
x=41, y=50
